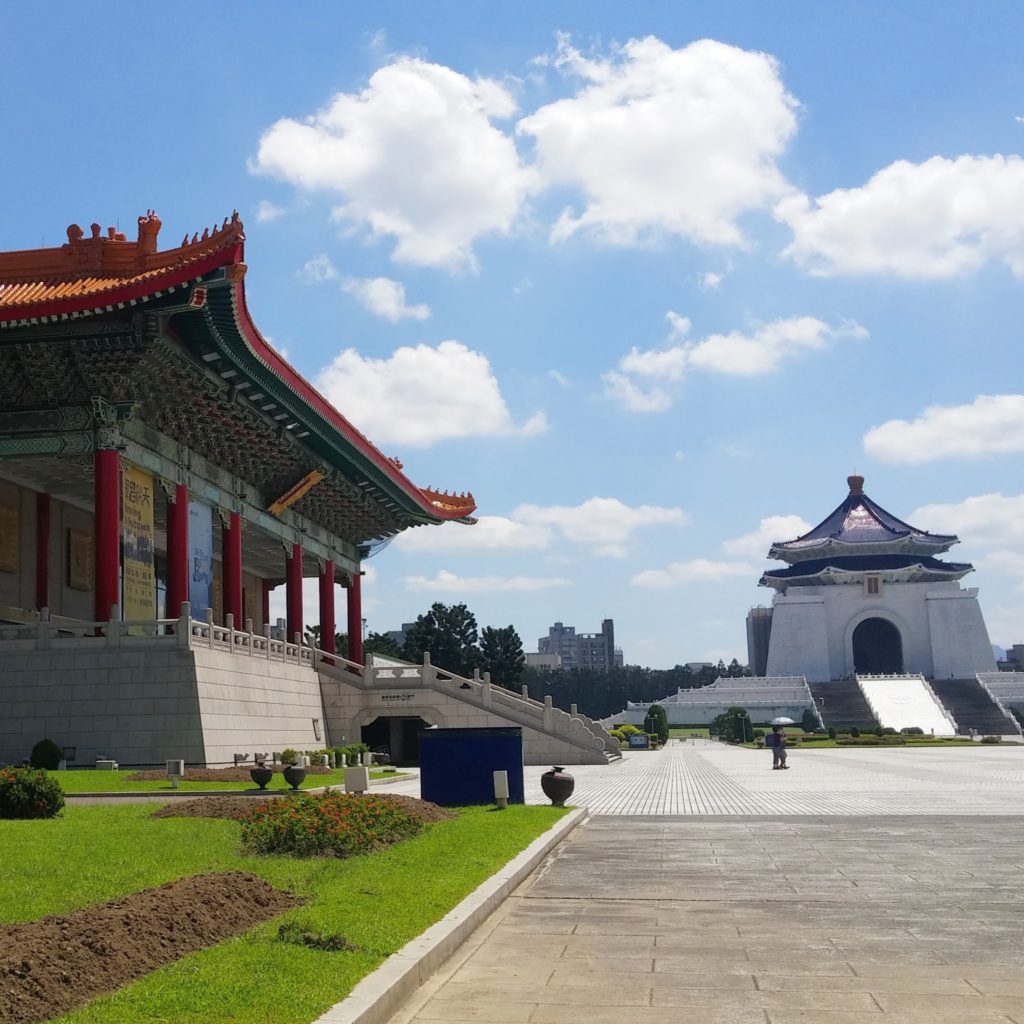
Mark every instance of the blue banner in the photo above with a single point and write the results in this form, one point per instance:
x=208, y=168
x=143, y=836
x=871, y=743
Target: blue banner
x=200, y=561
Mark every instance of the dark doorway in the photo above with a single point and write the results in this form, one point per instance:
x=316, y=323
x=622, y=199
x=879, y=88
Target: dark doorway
x=397, y=736
x=877, y=648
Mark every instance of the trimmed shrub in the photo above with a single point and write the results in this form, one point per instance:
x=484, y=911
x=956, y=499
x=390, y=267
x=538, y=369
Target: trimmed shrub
x=991, y=739
x=289, y=756
x=46, y=754
x=831, y=733
x=329, y=825
x=912, y=730
x=854, y=731
x=29, y=793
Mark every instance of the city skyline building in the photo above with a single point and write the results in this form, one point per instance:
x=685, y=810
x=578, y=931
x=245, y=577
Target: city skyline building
x=595, y=651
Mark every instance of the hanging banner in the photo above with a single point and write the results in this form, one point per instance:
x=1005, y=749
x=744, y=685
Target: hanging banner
x=200, y=561
x=137, y=519
x=10, y=539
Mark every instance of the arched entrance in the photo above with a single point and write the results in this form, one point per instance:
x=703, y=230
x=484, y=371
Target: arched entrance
x=398, y=735
x=877, y=648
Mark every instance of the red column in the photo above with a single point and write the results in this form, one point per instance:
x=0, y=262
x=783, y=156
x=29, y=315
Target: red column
x=42, y=551
x=177, y=551
x=293, y=582
x=327, y=625
x=355, y=618
x=231, y=561
x=107, y=482
x=266, y=588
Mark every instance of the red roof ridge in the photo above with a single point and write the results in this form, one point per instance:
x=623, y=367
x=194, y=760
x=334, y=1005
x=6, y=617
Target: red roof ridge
x=111, y=255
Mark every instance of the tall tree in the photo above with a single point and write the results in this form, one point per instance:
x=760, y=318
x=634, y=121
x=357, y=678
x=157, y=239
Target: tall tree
x=448, y=633
x=501, y=654
x=382, y=644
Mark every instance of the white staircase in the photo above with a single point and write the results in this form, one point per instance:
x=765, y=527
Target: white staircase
x=905, y=701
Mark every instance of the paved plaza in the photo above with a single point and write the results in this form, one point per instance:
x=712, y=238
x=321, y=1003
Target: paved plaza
x=704, y=777
x=860, y=887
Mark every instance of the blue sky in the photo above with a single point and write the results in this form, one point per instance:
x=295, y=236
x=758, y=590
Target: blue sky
x=649, y=279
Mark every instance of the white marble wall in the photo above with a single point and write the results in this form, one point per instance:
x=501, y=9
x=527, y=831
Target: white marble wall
x=940, y=625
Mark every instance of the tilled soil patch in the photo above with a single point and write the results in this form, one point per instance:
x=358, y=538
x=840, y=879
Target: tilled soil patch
x=237, y=806
x=52, y=966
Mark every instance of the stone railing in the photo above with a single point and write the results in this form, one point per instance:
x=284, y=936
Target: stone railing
x=997, y=698
x=41, y=632
x=184, y=631
x=477, y=690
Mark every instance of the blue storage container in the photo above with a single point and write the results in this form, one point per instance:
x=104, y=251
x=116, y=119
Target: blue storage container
x=457, y=765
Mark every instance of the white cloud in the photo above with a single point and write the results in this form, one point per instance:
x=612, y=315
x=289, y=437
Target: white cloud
x=448, y=583
x=936, y=219
x=414, y=156
x=748, y=355
x=990, y=425
x=603, y=524
x=709, y=281
x=560, y=379
x=319, y=269
x=489, y=533
x=630, y=395
x=385, y=298
x=663, y=141
x=737, y=354
x=984, y=519
x=696, y=570
x=267, y=211
x=421, y=395
x=771, y=529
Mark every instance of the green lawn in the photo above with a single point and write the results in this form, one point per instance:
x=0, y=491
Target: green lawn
x=378, y=902
x=91, y=781
x=817, y=744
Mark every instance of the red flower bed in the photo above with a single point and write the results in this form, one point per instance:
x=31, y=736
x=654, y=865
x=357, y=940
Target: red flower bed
x=329, y=825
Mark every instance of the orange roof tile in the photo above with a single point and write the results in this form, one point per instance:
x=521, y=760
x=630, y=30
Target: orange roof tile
x=89, y=273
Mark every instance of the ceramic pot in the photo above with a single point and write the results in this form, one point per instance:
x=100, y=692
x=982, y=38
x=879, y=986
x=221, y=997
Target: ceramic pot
x=558, y=785
x=293, y=775
x=261, y=776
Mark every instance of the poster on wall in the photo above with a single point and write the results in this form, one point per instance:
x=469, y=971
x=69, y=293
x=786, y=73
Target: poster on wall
x=200, y=563
x=137, y=518
x=10, y=539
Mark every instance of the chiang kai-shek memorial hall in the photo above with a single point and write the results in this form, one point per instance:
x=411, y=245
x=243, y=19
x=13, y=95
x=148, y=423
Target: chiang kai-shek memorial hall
x=162, y=469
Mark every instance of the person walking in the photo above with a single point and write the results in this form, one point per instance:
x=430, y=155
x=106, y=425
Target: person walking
x=778, y=744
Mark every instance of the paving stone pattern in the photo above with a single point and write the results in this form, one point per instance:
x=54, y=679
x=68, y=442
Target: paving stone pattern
x=847, y=920
x=871, y=886
x=703, y=777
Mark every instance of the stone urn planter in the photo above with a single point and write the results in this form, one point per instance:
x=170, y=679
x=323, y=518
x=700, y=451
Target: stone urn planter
x=261, y=775
x=294, y=775
x=558, y=785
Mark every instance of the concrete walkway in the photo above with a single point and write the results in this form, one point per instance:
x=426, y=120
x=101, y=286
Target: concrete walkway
x=722, y=908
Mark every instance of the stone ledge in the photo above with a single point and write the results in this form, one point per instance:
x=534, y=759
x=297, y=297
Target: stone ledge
x=380, y=994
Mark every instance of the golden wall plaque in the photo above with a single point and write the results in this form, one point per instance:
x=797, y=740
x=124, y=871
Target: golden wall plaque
x=10, y=539
x=81, y=559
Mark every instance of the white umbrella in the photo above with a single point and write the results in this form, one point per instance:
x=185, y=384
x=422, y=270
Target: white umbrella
x=782, y=720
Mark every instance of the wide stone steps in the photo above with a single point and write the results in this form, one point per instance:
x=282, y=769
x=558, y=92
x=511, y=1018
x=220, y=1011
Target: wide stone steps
x=972, y=707
x=842, y=705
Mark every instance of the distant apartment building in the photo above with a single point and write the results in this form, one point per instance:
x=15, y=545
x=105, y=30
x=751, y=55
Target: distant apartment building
x=580, y=650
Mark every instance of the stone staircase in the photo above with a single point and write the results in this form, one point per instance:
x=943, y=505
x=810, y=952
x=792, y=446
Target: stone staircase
x=587, y=737
x=972, y=707
x=841, y=704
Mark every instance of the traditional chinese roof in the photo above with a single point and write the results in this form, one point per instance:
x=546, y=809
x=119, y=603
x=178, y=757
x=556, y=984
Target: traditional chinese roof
x=859, y=526
x=197, y=288
x=853, y=568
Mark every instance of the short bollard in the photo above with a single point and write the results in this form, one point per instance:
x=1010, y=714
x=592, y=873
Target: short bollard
x=501, y=789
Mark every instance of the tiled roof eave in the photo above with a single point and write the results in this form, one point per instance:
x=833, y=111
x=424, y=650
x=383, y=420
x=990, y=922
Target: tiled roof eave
x=125, y=294
x=256, y=348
